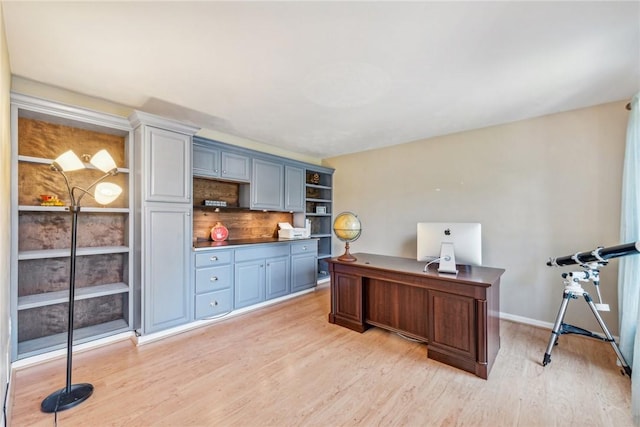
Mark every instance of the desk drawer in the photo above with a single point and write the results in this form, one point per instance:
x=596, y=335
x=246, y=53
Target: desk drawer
x=309, y=247
x=212, y=278
x=213, y=303
x=211, y=258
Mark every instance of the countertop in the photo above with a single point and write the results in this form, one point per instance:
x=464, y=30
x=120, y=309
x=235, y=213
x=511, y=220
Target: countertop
x=200, y=245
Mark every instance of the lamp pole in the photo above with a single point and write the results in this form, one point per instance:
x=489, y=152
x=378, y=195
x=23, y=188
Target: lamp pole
x=73, y=394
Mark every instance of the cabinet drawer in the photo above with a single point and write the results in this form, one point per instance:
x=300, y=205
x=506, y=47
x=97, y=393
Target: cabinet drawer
x=308, y=247
x=262, y=252
x=212, y=278
x=213, y=303
x=211, y=258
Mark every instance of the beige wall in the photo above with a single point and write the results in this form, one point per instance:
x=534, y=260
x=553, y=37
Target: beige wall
x=541, y=188
x=30, y=87
x=5, y=226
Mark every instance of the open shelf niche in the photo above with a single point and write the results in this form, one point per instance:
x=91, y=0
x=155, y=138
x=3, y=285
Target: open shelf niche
x=41, y=235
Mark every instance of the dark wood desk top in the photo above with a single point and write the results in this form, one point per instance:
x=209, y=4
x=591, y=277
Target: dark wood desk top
x=482, y=276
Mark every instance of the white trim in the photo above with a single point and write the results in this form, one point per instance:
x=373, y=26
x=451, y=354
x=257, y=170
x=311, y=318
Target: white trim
x=544, y=325
x=145, y=339
x=526, y=320
x=56, y=354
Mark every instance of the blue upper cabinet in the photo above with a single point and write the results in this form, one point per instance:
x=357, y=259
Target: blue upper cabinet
x=293, y=189
x=210, y=161
x=168, y=162
x=276, y=186
x=206, y=161
x=234, y=166
x=267, y=185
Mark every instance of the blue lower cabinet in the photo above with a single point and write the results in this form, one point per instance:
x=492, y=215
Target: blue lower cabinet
x=213, y=304
x=249, y=283
x=213, y=283
x=304, y=260
x=277, y=277
x=230, y=279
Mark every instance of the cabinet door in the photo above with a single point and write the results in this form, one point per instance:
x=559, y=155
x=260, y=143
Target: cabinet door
x=346, y=301
x=293, y=189
x=206, y=161
x=234, y=166
x=249, y=283
x=166, y=267
x=451, y=324
x=303, y=272
x=168, y=166
x=277, y=277
x=267, y=185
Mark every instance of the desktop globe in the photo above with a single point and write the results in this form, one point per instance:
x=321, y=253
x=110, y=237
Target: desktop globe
x=347, y=228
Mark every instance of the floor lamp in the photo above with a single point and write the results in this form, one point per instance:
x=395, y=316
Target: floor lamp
x=104, y=194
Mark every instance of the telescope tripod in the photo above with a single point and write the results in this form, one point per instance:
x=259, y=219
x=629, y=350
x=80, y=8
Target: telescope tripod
x=573, y=290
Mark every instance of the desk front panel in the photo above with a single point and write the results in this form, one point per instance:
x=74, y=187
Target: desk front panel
x=456, y=315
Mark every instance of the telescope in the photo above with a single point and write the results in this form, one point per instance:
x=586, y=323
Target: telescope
x=600, y=255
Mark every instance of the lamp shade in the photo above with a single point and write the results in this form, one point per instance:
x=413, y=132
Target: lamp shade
x=103, y=161
x=107, y=192
x=68, y=161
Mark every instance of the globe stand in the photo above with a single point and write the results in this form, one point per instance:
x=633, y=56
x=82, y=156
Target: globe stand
x=346, y=256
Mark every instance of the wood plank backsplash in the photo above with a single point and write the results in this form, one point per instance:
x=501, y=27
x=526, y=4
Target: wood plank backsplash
x=241, y=224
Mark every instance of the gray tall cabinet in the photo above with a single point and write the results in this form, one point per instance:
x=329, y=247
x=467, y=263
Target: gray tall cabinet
x=163, y=212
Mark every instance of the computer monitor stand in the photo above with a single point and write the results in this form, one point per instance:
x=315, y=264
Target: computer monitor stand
x=447, y=259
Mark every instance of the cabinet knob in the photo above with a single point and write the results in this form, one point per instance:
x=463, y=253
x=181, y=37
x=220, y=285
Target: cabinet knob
x=213, y=303
x=213, y=258
x=213, y=278
x=304, y=248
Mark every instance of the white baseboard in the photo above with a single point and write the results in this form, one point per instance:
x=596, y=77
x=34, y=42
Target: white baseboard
x=45, y=357
x=526, y=320
x=147, y=338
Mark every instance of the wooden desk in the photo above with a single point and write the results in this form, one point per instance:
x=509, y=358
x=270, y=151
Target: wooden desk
x=456, y=315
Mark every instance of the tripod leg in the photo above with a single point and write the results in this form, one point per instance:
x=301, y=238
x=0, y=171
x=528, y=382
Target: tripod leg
x=555, y=332
x=625, y=366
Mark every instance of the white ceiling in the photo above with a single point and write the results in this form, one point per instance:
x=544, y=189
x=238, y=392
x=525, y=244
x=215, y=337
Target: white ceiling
x=329, y=78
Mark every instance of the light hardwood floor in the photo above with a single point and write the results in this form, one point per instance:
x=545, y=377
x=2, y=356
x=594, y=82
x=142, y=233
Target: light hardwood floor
x=285, y=365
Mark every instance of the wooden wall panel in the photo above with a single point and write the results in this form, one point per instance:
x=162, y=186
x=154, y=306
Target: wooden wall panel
x=90, y=270
x=242, y=224
x=35, y=179
x=52, y=230
x=49, y=140
x=52, y=319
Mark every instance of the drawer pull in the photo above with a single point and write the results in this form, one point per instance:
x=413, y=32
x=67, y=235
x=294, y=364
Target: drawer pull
x=214, y=278
x=213, y=258
x=304, y=248
x=213, y=303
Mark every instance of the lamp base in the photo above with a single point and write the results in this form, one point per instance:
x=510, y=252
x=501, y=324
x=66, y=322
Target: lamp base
x=61, y=400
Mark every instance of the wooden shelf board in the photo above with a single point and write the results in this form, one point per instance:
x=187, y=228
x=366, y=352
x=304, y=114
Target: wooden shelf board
x=28, y=208
x=49, y=298
x=44, y=161
x=61, y=253
x=322, y=187
x=321, y=235
x=318, y=200
x=53, y=342
x=323, y=256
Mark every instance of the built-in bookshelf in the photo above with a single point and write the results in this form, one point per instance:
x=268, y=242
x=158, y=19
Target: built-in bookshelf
x=41, y=232
x=319, y=211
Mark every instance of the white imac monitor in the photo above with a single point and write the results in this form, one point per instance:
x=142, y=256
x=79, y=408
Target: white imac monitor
x=450, y=243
